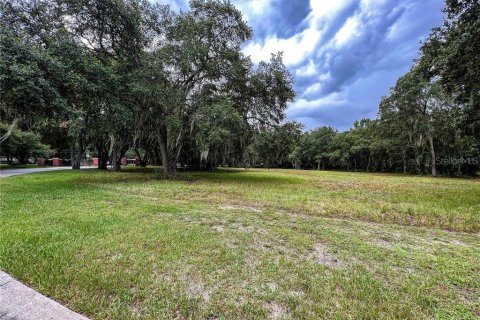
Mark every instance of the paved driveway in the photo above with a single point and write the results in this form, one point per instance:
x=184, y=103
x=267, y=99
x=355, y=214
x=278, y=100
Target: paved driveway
x=16, y=172
x=19, y=302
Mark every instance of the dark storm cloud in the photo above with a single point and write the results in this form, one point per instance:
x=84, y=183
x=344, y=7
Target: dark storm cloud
x=332, y=26
x=361, y=54
x=348, y=80
x=343, y=59
x=289, y=16
x=286, y=18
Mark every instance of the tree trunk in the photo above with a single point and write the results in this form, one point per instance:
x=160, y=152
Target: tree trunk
x=143, y=160
x=171, y=167
x=76, y=151
x=417, y=163
x=169, y=164
x=22, y=159
x=103, y=160
x=118, y=148
x=116, y=159
x=318, y=164
x=102, y=151
x=117, y=154
x=116, y=162
x=10, y=129
x=432, y=155
x=212, y=161
x=75, y=156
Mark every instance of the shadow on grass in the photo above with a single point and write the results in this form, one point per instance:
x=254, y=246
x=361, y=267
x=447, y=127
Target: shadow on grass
x=222, y=175
x=242, y=176
x=74, y=179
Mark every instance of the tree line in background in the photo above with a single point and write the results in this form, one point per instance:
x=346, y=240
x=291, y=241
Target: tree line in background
x=127, y=76
x=429, y=123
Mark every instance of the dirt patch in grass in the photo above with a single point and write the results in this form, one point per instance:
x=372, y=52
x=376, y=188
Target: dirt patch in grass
x=244, y=208
x=276, y=311
x=218, y=228
x=196, y=290
x=272, y=286
x=240, y=227
x=321, y=255
x=237, y=226
x=385, y=244
x=296, y=293
x=452, y=242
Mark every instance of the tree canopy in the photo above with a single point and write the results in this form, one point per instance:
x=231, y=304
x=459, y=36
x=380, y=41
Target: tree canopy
x=175, y=88
x=130, y=74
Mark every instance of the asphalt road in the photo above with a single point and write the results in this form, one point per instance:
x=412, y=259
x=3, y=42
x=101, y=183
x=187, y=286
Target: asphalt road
x=17, y=172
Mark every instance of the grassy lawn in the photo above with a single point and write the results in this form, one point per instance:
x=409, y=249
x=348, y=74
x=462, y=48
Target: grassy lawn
x=239, y=244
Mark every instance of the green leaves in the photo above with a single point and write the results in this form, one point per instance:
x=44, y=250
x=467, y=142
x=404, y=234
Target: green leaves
x=23, y=145
x=216, y=123
x=274, y=147
x=132, y=71
x=433, y=109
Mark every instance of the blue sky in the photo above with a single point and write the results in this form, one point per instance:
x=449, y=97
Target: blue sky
x=344, y=54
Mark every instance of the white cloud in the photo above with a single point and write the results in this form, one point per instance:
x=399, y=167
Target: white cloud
x=259, y=6
x=254, y=8
x=298, y=47
x=309, y=69
x=304, y=105
x=349, y=31
x=295, y=49
x=372, y=5
x=316, y=87
x=324, y=8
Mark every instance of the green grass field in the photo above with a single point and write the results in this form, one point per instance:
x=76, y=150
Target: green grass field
x=275, y=244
